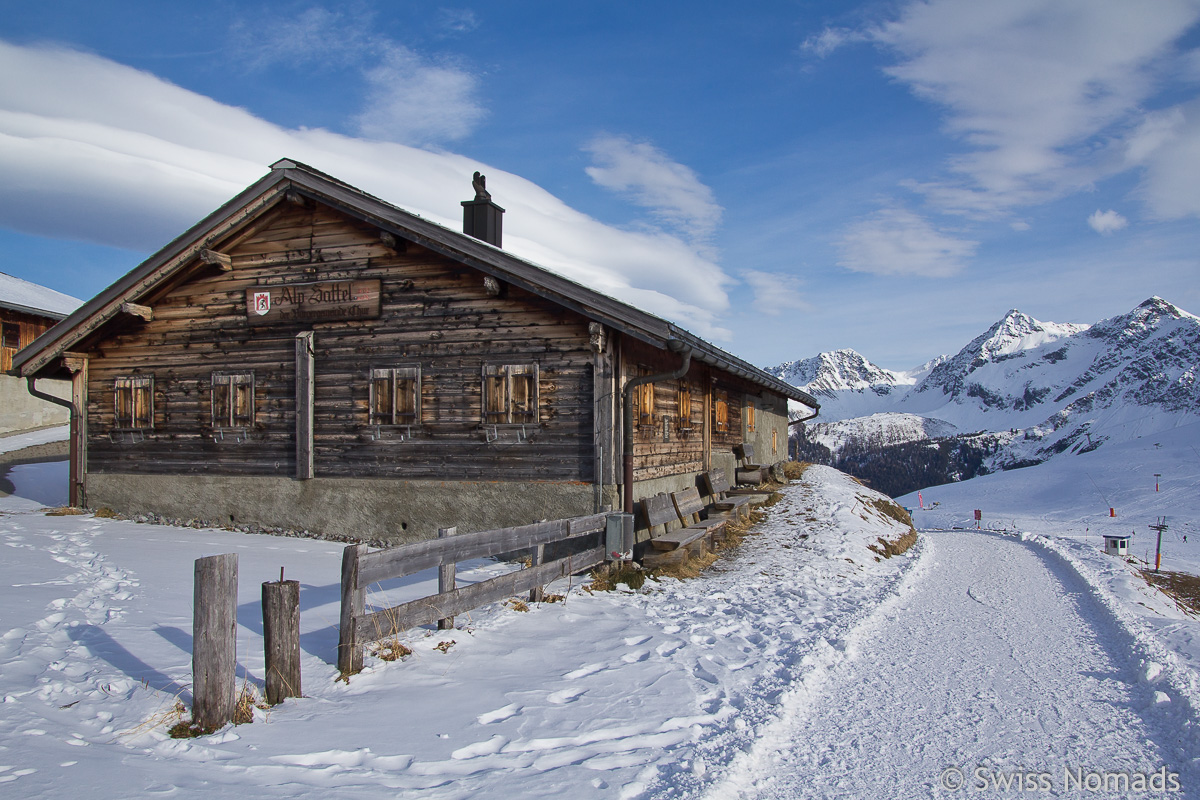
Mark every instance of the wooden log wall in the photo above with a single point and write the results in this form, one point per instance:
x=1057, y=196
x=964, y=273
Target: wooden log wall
x=435, y=313
x=681, y=454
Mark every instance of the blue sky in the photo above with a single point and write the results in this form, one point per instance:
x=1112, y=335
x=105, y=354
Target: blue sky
x=783, y=178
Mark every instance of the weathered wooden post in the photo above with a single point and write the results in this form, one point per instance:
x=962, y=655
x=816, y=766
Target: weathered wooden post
x=214, y=641
x=281, y=638
x=354, y=601
x=537, y=558
x=446, y=580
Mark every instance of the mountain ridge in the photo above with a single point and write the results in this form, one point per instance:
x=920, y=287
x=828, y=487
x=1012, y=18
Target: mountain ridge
x=1030, y=390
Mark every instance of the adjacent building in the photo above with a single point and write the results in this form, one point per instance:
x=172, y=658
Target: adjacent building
x=311, y=356
x=28, y=310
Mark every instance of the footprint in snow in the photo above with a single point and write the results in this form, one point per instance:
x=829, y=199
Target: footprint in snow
x=584, y=671
x=510, y=710
x=633, y=641
x=564, y=696
x=636, y=656
x=667, y=648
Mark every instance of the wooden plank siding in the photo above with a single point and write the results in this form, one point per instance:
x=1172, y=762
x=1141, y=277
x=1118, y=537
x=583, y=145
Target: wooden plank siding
x=21, y=329
x=436, y=314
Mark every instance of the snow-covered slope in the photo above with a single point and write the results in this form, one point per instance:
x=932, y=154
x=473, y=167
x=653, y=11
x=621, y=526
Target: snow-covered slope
x=877, y=430
x=1055, y=387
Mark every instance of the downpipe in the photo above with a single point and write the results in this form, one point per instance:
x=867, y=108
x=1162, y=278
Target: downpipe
x=30, y=384
x=675, y=346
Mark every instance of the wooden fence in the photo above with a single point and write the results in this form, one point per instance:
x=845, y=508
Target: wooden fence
x=362, y=568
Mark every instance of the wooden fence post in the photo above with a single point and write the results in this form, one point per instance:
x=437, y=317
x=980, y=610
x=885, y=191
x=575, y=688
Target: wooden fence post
x=214, y=641
x=354, y=601
x=281, y=639
x=446, y=581
x=537, y=593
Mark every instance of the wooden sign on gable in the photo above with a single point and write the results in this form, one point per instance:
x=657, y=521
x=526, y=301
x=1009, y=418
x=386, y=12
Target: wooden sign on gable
x=328, y=301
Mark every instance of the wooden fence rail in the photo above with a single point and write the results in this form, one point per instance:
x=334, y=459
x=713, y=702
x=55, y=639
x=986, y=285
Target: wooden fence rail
x=361, y=568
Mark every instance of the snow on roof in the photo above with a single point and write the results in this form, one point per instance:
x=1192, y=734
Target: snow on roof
x=22, y=295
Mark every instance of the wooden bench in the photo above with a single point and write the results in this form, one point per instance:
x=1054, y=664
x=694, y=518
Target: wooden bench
x=660, y=510
x=747, y=470
x=717, y=486
x=689, y=506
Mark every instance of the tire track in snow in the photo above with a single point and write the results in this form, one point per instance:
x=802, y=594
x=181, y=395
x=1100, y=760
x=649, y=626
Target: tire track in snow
x=994, y=656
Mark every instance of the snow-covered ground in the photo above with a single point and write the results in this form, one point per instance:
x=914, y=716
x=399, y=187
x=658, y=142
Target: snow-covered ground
x=19, y=441
x=604, y=695
x=1063, y=507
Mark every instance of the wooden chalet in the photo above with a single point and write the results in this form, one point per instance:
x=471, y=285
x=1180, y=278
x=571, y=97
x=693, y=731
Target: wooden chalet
x=310, y=356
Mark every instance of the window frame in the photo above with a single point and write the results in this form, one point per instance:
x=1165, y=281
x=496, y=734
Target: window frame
x=229, y=418
x=392, y=417
x=503, y=384
x=749, y=405
x=721, y=411
x=684, y=406
x=133, y=385
x=646, y=401
x=7, y=328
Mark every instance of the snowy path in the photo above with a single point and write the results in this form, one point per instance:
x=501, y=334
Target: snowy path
x=998, y=657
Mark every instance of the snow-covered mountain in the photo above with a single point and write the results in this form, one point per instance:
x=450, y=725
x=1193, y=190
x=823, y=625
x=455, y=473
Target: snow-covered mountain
x=877, y=430
x=847, y=384
x=1044, y=388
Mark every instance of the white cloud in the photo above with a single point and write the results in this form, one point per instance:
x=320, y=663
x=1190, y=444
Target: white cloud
x=409, y=98
x=314, y=36
x=1167, y=148
x=898, y=242
x=457, y=20
x=1036, y=89
x=97, y=151
x=1106, y=222
x=775, y=292
x=668, y=189
x=415, y=102
x=830, y=39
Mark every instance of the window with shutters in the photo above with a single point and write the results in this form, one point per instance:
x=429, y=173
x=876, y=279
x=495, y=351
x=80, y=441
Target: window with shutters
x=133, y=401
x=645, y=400
x=396, y=395
x=749, y=412
x=685, y=407
x=774, y=442
x=232, y=399
x=510, y=394
x=721, y=412
x=10, y=343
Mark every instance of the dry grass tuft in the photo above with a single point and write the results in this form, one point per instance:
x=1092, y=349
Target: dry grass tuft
x=104, y=512
x=1181, y=587
x=605, y=578
x=794, y=470
x=391, y=650
x=553, y=598
x=516, y=604
x=64, y=511
x=445, y=646
x=772, y=499
x=896, y=546
x=891, y=510
x=686, y=570
x=248, y=699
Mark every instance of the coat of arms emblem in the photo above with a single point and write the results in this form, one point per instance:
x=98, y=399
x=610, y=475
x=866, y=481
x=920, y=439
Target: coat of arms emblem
x=262, y=303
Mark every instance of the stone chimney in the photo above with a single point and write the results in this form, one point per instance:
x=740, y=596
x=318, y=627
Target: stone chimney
x=482, y=218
